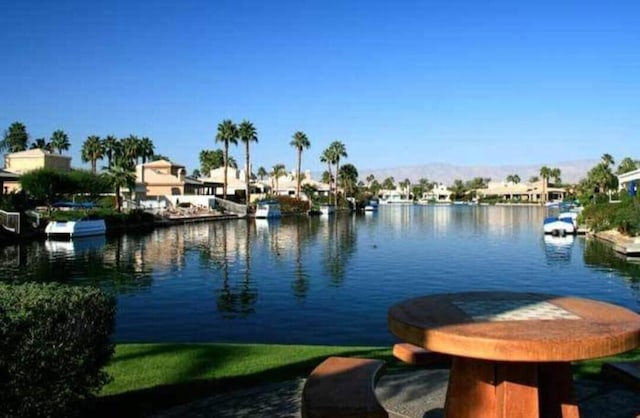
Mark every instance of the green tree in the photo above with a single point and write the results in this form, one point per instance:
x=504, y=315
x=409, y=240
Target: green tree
x=555, y=174
x=458, y=189
x=111, y=146
x=121, y=174
x=405, y=185
x=513, y=178
x=374, y=187
x=277, y=172
x=247, y=134
x=146, y=149
x=338, y=150
x=389, y=183
x=227, y=134
x=626, y=165
x=130, y=149
x=262, y=173
x=59, y=141
x=300, y=142
x=348, y=178
x=46, y=184
x=212, y=159
x=534, y=179
x=196, y=173
x=15, y=138
x=92, y=151
x=328, y=157
x=41, y=143
x=370, y=178
x=545, y=173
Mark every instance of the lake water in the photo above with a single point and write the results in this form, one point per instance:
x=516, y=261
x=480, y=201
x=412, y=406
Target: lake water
x=320, y=280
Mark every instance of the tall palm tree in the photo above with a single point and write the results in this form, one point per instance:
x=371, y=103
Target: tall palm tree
x=277, y=171
x=121, y=174
x=146, y=149
x=300, y=142
x=338, y=150
x=15, y=138
x=131, y=149
x=607, y=159
x=60, y=141
x=328, y=157
x=555, y=173
x=111, y=145
x=227, y=134
x=92, y=151
x=545, y=173
x=262, y=172
x=247, y=134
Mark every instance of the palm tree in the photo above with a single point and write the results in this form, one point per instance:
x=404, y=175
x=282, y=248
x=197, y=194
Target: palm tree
x=328, y=157
x=262, y=172
x=556, y=173
x=227, y=134
x=277, y=171
x=545, y=173
x=348, y=177
x=92, y=151
x=247, y=133
x=60, y=141
x=607, y=159
x=370, y=178
x=121, y=174
x=15, y=138
x=41, y=143
x=131, y=149
x=300, y=142
x=513, y=178
x=111, y=145
x=146, y=149
x=339, y=150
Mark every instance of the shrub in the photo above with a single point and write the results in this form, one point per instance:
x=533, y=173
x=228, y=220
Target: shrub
x=623, y=216
x=54, y=342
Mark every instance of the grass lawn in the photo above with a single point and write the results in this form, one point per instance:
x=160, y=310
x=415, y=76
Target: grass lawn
x=148, y=377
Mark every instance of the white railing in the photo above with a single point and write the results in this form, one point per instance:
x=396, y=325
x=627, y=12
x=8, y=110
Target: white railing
x=10, y=221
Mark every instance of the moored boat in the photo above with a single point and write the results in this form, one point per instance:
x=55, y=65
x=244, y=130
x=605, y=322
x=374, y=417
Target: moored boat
x=371, y=206
x=268, y=209
x=559, y=226
x=74, y=229
x=327, y=209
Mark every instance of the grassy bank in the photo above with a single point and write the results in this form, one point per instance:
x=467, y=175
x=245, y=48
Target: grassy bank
x=148, y=377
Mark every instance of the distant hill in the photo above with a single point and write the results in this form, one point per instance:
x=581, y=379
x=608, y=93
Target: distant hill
x=572, y=171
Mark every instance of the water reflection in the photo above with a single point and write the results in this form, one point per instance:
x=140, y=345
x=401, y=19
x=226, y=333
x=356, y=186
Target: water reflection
x=325, y=280
x=557, y=250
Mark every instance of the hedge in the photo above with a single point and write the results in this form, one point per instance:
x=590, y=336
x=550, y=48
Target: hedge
x=54, y=342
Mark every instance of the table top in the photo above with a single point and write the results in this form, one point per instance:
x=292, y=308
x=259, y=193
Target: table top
x=509, y=326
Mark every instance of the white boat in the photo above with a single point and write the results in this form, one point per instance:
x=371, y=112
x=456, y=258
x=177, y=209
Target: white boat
x=396, y=198
x=74, y=229
x=327, y=209
x=372, y=206
x=559, y=226
x=268, y=209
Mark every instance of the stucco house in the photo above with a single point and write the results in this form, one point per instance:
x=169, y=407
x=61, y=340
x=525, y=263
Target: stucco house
x=164, y=178
x=24, y=161
x=629, y=181
x=521, y=192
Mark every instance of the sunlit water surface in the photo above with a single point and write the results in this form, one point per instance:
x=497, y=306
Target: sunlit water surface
x=320, y=280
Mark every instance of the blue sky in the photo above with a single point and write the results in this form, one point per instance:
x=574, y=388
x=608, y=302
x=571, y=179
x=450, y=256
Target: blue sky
x=399, y=82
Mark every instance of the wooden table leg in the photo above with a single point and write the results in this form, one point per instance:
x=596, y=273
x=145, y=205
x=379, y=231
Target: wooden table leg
x=486, y=389
x=557, y=395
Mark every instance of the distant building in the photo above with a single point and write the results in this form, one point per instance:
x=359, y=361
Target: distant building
x=439, y=194
x=22, y=162
x=286, y=185
x=521, y=192
x=164, y=178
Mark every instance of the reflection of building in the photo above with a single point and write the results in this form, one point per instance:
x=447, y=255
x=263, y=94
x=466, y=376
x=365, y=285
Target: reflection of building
x=521, y=192
x=24, y=161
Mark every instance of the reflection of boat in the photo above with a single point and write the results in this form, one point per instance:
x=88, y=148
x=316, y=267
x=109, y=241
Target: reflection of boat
x=268, y=209
x=77, y=245
x=327, y=209
x=558, y=247
x=73, y=229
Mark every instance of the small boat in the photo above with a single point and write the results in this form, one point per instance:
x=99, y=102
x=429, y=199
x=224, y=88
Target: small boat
x=268, y=209
x=396, y=198
x=555, y=225
x=75, y=229
x=371, y=206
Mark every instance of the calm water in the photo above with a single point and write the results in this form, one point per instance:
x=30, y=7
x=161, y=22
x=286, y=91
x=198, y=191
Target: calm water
x=318, y=280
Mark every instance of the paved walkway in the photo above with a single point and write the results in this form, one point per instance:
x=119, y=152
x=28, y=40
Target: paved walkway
x=415, y=394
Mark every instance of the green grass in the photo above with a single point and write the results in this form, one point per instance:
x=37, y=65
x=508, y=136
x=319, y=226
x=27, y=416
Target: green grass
x=148, y=377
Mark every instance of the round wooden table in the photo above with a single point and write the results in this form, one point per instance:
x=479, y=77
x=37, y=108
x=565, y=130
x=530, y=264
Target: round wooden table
x=512, y=352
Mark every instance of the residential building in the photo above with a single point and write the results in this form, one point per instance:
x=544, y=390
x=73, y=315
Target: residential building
x=24, y=161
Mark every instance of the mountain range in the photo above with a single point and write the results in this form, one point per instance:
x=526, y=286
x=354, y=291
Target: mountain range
x=571, y=172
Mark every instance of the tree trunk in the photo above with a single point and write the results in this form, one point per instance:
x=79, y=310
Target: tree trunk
x=298, y=175
x=226, y=159
x=247, y=176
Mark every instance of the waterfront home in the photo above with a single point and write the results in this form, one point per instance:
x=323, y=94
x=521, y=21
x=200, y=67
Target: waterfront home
x=164, y=178
x=395, y=197
x=24, y=161
x=286, y=185
x=629, y=181
x=440, y=194
x=521, y=192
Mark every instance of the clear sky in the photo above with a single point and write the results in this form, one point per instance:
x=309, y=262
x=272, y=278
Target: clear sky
x=399, y=82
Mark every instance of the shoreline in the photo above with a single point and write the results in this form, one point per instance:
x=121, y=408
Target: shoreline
x=625, y=245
